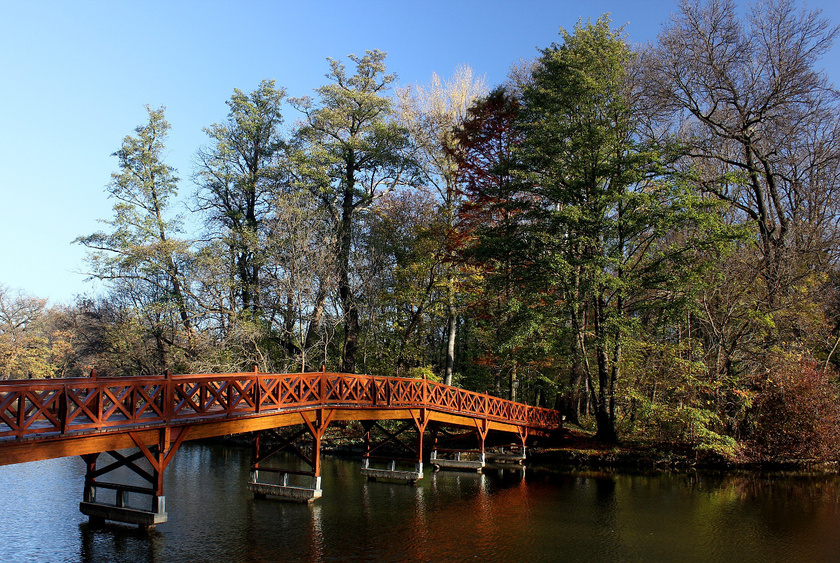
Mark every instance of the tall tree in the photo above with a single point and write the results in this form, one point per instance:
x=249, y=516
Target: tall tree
x=487, y=232
x=299, y=271
x=397, y=257
x=759, y=125
x=239, y=176
x=758, y=118
x=350, y=152
x=431, y=113
x=596, y=210
x=142, y=249
x=578, y=157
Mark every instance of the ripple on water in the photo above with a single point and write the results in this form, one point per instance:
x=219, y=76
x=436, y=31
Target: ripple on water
x=497, y=516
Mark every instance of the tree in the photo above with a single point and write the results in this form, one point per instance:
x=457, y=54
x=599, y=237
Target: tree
x=579, y=159
x=398, y=261
x=487, y=231
x=30, y=346
x=299, y=272
x=142, y=250
x=597, y=216
x=431, y=113
x=758, y=120
x=239, y=176
x=350, y=152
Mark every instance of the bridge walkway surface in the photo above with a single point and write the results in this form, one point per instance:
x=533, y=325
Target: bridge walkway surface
x=152, y=416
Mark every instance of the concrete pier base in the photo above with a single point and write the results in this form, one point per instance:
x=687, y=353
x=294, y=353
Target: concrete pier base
x=144, y=518
x=391, y=473
x=459, y=462
x=285, y=491
x=506, y=454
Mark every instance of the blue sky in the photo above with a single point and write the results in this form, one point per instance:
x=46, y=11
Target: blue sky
x=76, y=76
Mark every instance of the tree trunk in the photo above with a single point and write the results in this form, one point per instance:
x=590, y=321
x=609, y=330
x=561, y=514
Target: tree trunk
x=452, y=326
x=605, y=422
x=572, y=402
x=514, y=383
x=348, y=304
x=314, y=323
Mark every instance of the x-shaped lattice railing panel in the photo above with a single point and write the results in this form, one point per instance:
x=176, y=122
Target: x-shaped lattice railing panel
x=80, y=404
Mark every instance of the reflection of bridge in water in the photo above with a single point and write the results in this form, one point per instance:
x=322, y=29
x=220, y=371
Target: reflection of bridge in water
x=154, y=415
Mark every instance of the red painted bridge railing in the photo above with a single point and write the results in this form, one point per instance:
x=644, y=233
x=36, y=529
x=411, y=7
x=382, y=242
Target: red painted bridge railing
x=49, y=408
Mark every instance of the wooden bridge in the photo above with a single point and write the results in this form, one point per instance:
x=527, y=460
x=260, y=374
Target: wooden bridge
x=43, y=419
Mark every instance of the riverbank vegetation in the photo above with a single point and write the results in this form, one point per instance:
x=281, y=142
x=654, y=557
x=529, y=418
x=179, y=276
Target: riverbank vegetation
x=643, y=237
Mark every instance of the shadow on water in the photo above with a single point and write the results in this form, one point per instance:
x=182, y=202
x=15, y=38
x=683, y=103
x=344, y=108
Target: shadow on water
x=106, y=543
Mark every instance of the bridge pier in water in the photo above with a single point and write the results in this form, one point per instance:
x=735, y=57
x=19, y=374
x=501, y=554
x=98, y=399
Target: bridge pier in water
x=510, y=453
x=411, y=454
x=122, y=510
x=284, y=488
x=460, y=458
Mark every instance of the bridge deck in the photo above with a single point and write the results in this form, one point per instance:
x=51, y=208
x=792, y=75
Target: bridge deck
x=67, y=417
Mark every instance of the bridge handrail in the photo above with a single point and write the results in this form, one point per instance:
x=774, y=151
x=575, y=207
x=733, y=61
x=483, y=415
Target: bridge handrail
x=44, y=408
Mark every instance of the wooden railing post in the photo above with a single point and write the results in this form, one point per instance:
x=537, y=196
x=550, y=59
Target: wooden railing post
x=63, y=408
x=257, y=391
x=230, y=397
x=168, y=396
x=21, y=412
x=95, y=377
x=323, y=385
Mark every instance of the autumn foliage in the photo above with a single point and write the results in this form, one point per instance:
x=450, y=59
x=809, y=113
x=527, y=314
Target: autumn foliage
x=797, y=412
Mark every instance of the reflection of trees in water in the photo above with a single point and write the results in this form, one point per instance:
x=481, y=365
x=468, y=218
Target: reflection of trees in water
x=811, y=488
x=506, y=515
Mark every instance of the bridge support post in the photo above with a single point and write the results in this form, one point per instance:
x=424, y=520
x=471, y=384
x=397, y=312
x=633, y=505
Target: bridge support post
x=513, y=453
x=282, y=487
x=459, y=458
x=412, y=454
x=121, y=510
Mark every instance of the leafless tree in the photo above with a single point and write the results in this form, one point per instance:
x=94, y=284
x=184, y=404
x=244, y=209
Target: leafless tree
x=757, y=119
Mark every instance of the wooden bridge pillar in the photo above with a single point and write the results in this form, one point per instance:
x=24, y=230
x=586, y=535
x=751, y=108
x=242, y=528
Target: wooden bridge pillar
x=122, y=510
x=283, y=488
x=459, y=458
x=411, y=454
x=512, y=453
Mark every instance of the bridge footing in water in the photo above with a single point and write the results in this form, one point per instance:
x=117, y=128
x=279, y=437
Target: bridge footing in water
x=458, y=460
x=100, y=512
x=307, y=452
x=512, y=454
x=285, y=491
x=392, y=443
x=392, y=473
x=156, y=459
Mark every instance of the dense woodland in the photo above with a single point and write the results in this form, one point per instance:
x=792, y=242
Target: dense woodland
x=644, y=237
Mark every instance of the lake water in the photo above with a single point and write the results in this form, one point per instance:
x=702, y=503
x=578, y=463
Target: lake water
x=498, y=516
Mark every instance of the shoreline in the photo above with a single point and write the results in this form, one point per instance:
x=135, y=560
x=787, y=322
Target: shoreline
x=577, y=450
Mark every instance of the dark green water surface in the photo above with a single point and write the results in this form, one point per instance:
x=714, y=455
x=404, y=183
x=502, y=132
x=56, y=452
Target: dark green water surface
x=498, y=516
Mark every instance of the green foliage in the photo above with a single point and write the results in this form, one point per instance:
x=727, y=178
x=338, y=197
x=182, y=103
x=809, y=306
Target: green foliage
x=424, y=372
x=573, y=235
x=239, y=176
x=348, y=153
x=141, y=256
